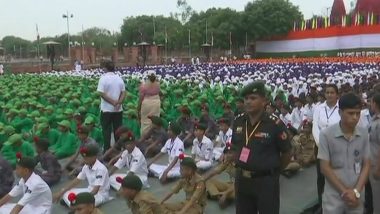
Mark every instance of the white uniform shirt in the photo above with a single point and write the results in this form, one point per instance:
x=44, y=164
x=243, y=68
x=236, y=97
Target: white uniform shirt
x=112, y=85
x=97, y=175
x=365, y=119
x=224, y=138
x=202, y=150
x=286, y=119
x=296, y=117
x=307, y=112
x=324, y=117
x=35, y=192
x=173, y=149
x=135, y=162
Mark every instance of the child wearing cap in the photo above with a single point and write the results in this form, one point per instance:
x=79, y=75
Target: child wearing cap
x=35, y=193
x=224, y=137
x=6, y=177
x=114, y=153
x=194, y=187
x=228, y=113
x=14, y=145
x=212, y=128
x=45, y=131
x=131, y=121
x=202, y=150
x=187, y=123
x=83, y=203
x=66, y=144
x=216, y=189
x=96, y=175
x=152, y=142
x=139, y=201
x=133, y=159
x=239, y=106
x=303, y=150
x=173, y=147
x=95, y=132
x=75, y=163
x=5, y=133
x=50, y=168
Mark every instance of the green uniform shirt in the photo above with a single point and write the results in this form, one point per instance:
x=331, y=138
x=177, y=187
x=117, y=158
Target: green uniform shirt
x=23, y=125
x=52, y=135
x=66, y=145
x=9, y=152
x=97, y=135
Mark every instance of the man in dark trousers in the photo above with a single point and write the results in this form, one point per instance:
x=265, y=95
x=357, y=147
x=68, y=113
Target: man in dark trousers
x=112, y=92
x=262, y=150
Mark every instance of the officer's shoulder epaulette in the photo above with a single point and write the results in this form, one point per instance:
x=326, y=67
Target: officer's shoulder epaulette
x=275, y=119
x=239, y=116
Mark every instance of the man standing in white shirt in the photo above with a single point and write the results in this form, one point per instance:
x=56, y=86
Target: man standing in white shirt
x=96, y=175
x=36, y=194
x=1, y=69
x=174, y=147
x=111, y=88
x=325, y=115
x=202, y=148
x=133, y=159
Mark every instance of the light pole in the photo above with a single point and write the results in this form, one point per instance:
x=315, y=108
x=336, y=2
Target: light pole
x=67, y=17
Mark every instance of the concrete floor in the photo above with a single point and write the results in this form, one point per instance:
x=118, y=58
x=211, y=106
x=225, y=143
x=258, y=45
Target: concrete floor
x=297, y=193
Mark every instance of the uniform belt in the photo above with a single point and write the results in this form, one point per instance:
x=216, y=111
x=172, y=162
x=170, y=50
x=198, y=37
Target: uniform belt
x=256, y=173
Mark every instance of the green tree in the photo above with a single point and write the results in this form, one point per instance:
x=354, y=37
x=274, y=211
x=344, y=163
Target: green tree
x=266, y=18
x=220, y=22
x=16, y=46
x=151, y=29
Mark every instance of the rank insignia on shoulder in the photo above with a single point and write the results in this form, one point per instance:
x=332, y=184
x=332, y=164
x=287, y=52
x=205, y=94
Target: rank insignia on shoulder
x=278, y=121
x=239, y=129
x=283, y=136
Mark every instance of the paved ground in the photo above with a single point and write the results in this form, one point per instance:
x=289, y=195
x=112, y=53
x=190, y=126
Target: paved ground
x=297, y=193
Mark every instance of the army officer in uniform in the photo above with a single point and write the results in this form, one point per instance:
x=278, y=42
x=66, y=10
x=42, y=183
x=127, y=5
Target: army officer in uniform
x=262, y=150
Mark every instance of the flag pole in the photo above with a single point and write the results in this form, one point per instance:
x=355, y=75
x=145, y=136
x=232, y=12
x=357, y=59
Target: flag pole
x=190, y=43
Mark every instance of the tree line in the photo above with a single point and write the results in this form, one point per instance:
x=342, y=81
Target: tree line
x=223, y=28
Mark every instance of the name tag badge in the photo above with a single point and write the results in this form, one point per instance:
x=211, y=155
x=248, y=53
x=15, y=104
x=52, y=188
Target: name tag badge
x=244, y=154
x=358, y=168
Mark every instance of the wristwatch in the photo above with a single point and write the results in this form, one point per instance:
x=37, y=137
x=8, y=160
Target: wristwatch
x=357, y=193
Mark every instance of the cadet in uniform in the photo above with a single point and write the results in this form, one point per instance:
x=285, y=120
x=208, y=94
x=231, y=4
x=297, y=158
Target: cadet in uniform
x=194, y=187
x=133, y=159
x=83, y=203
x=216, y=189
x=374, y=140
x=173, y=147
x=262, y=149
x=153, y=140
x=202, y=148
x=96, y=175
x=75, y=163
x=36, y=194
x=50, y=168
x=140, y=202
x=6, y=176
x=14, y=145
x=344, y=156
x=187, y=123
x=66, y=144
x=224, y=137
